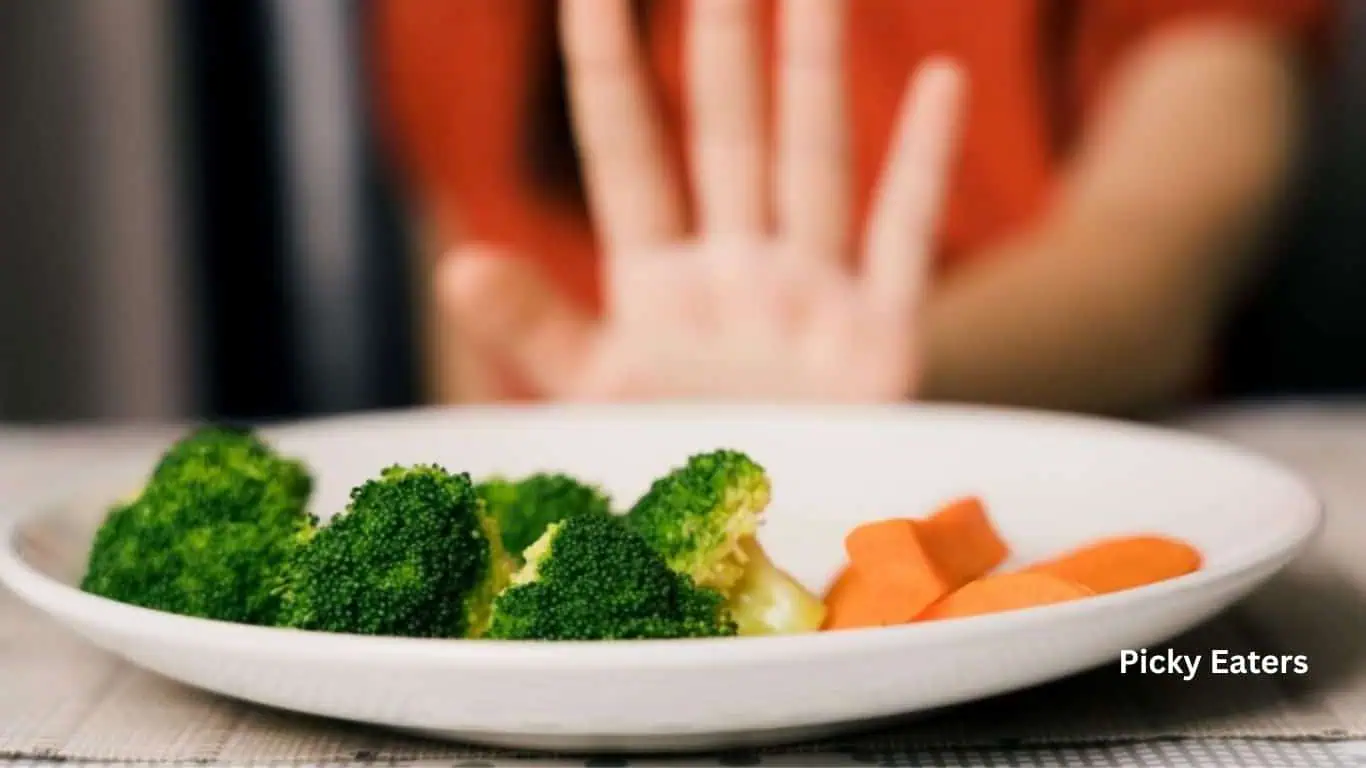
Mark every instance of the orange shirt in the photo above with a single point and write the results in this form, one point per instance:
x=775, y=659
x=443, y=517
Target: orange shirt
x=454, y=79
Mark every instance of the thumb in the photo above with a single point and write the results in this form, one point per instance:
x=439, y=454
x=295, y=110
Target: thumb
x=506, y=305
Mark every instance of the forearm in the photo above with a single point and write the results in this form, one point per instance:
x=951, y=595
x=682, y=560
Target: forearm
x=1114, y=301
x=1037, y=327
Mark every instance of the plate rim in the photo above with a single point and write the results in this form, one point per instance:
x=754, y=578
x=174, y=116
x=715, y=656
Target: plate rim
x=61, y=601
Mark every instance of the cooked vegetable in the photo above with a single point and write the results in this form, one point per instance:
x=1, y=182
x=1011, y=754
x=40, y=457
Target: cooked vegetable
x=1005, y=592
x=940, y=567
x=703, y=518
x=590, y=577
x=1123, y=562
x=767, y=600
x=899, y=567
x=525, y=507
x=854, y=601
x=961, y=540
x=892, y=558
x=221, y=530
x=414, y=554
x=209, y=533
x=696, y=515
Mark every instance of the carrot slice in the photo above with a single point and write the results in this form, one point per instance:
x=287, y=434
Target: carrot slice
x=1005, y=592
x=853, y=600
x=962, y=541
x=1122, y=562
x=890, y=554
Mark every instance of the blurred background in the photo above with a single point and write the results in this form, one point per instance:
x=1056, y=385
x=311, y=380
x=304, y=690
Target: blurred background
x=196, y=220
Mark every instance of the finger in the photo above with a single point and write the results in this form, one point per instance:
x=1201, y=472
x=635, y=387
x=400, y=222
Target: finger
x=506, y=305
x=635, y=203
x=813, y=166
x=910, y=193
x=727, y=122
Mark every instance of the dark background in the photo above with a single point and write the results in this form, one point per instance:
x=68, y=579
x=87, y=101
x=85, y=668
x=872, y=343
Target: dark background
x=235, y=170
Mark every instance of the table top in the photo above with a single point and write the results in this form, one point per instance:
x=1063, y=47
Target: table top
x=1326, y=442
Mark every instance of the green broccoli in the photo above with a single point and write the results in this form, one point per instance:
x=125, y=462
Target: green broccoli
x=703, y=517
x=414, y=554
x=208, y=533
x=525, y=507
x=590, y=577
x=233, y=476
x=697, y=515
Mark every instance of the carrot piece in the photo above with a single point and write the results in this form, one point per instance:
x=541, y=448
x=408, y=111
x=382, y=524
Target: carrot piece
x=890, y=554
x=962, y=541
x=1123, y=562
x=1004, y=592
x=853, y=600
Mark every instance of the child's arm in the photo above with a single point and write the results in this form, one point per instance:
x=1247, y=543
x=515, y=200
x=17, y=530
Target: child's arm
x=1113, y=302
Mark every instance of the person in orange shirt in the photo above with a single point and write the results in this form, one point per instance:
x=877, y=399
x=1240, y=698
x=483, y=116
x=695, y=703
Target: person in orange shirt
x=1026, y=202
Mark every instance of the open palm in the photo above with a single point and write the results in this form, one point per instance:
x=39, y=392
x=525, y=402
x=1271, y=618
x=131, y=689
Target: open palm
x=759, y=300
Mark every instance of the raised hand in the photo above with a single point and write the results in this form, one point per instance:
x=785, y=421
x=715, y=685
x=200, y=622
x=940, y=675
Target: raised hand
x=761, y=300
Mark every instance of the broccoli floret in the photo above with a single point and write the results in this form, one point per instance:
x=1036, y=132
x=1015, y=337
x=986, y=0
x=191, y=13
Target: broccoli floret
x=209, y=532
x=590, y=577
x=704, y=518
x=414, y=554
x=116, y=565
x=697, y=515
x=525, y=507
x=231, y=475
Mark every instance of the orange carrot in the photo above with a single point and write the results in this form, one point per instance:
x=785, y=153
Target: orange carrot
x=854, y=601
x=890, y=554
x=902, y=570
x=1122, y=562
x=1004, y=592
x=962, y=541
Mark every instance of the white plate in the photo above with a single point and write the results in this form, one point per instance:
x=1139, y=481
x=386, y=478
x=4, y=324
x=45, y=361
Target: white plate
x=1051, y=482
